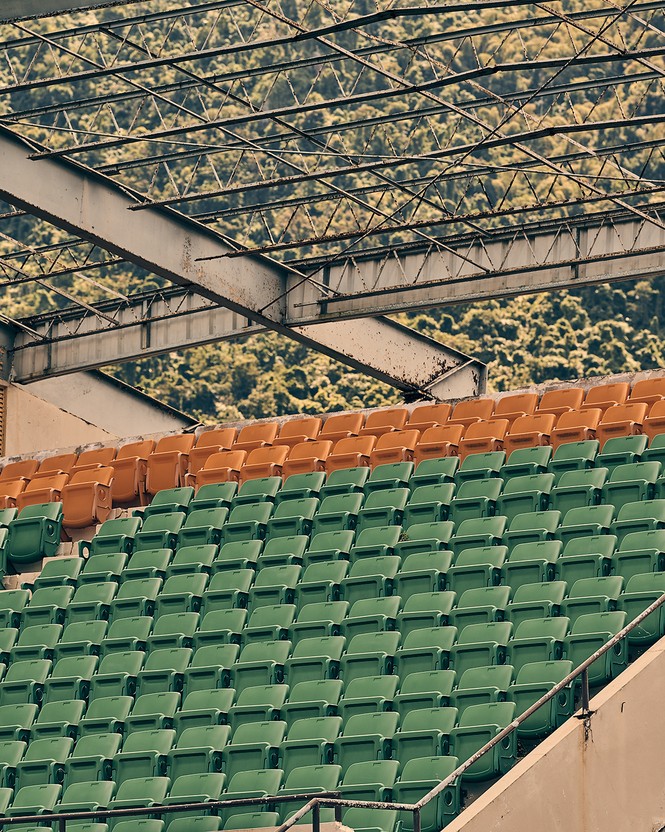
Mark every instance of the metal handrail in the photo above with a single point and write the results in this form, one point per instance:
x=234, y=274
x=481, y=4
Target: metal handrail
x=318, y=800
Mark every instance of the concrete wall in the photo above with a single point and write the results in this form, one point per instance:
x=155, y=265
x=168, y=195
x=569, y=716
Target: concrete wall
x=610, y=781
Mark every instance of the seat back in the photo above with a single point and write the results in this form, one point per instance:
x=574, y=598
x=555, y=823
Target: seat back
x=473, y=409
x=516, y=403
x=603, y=394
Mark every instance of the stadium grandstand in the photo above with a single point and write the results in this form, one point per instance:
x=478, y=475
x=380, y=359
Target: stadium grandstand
x=447, y=612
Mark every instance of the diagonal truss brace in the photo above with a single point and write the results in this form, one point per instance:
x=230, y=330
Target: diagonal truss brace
x=13, y=10
x=87, y=204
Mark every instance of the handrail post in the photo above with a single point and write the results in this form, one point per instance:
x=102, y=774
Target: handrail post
x=338, y=813
x=586, y=711
x=316, y=817
x=62, y=825
x=416, y=820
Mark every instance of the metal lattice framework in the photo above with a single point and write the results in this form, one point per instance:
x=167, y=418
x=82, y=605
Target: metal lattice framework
x=382, y=155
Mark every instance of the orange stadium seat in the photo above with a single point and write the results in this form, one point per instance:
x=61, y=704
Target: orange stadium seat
x=379, y=422
x=130, y=466
x=296, y=431
x=9, y=492
x=576, y=426
x=58, y=464
x=529, y=431
x=264, y=462
x=622, y=420
x=512, y=407
x=167, y=464
x=649, y=391
x=398, y=446
x=307, y=457
x=220, y=467
x=654, y=422
x=86, y=499
x=557, y=402
x=23, y=470
x=256, y=436
x=428, y=416
x=484, y=437
x=603, y=396
x=42, y=490
x=472, y=410
x=438, y=442
x=351, y=453
x=210, y=442
x=97, y=458
x=342, y=426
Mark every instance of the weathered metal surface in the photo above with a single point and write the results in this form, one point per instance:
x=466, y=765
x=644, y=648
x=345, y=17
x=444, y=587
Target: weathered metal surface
x=27, y=9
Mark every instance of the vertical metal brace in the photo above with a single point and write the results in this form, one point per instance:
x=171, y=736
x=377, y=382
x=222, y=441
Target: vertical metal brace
x=62, y=825
x=586, y=712
x=316, y=817
x=416, y=820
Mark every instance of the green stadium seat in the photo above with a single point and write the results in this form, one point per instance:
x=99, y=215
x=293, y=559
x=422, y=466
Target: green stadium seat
x=337, y=512
x=525, y=494
x=422, y=572
x=537, y=640
x=205, y=823
x=640, y=552
x=36, y=642
x=106, y=715
x=390, y=475
x=34, y=800
x=214, y=495
x=378, y=541
x=292, y=517
x=307, y=780
x=534, y=680
x=590, y=520
x=198, y=751
x=424, y=732
x=144, y=754
x=274, y=585
x=16, y=721
x=243, y=554
x=418, y=777
x=370, y=615
x=435, y=471
x=425, y=689
x=383, y=508
x=137, y=825
x=589, y=595
x=11, y=754
x=43, y=762
x=117, y=674
x=169, y=501
x=6, y=516
x=181, y=593
x=220, y=627
x=532, y=527
x=24, y=682
x=475, y=568
x=173, y=630
x=639, y=517
x=429, y=504
x=484, y=531
x=309, y=743
x=227, y=590
x=250, y=784
x=197, y=788
x=332, y=545
x=164, y=671
x=247, y=522
x=369, y=781
x=204, y=707
x=577, y=489
x=146, y=564
x=474, y=499
x=114, y=536
x=477, y=726
x=320, y=582
x=479, y=645
x=640, y=592
x=59, y=572
x=531, y=563
x=424, y=537
x=370, y=577
x=261, y=703
x=12, y=604
x=317, y=620
x=589, y=633
x=345, y=481
x=126, y=634
x=586, y=557
x=425, y=649
x=160, y=531
x=314, y=658
x=153, y=712
x=283, y=551
x=135, y=598
x=631, y=483
x=425, y=609
x=483, y=605
x=308, y=700
x=139, y=792
x=480, y=685
x=70, y=678
x=86, y=796
x=525, y=462
x=301, y=486
x=480, y=466
x=255, y=745
x=47, y=606
x=261, y=663
x=8, y=638
x=366, y=737
x=35, y=534
x=191, y=559
x=537, y=600
x=369, y=654
x=574, y=456
x=101, y=568
x=367, y=695
x=622, y=450
x=58, y=719
x=270, y=623
x=259, y=490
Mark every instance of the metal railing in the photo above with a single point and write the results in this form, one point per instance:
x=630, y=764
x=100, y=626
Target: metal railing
x=315, y=801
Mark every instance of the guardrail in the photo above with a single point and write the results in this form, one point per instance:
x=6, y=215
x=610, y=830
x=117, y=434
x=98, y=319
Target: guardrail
x=315, y=801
